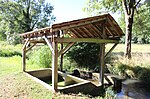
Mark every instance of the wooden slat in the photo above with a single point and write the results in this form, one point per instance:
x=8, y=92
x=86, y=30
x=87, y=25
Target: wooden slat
x=90, y=29
x=109, y=31
x=99, y=33
x=90, y=40
x=76, y=33
x=113, y=27
x=85, y=35
x=91, y=34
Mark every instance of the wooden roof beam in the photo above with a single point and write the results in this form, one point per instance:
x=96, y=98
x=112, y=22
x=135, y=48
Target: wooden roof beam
x=92, y=35
x=98, y=32
x=112, y=25
x=76, y=33
x=77, y=25
x=86, y=40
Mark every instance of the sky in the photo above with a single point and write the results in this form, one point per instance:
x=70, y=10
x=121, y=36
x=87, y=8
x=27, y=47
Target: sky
x=66, y=10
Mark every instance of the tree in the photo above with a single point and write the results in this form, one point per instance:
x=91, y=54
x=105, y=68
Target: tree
x=141, y=28
x=24, y=15
x=128, y=8
x=141, y=25
x=85, y=54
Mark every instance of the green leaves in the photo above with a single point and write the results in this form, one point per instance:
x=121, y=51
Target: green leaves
x=18, y=16
x=95, y=7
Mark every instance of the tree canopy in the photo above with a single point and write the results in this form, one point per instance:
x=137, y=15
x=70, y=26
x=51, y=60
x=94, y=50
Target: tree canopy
x=17, y=16
x=125, y=7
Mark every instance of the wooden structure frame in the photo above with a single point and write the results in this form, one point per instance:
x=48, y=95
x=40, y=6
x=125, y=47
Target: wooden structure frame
x=100, y=29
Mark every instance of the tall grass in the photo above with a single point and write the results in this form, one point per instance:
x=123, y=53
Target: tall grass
x=137, y=68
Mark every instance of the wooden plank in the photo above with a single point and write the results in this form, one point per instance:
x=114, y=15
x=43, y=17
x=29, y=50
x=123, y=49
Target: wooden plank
x=88, y=40
x=98, y=32
x=55, y=67
x=76, y=33
x=88, y=31
x=111, y=50
x=49, y=43
x=81, y=32
x=64, y=50
x=113, y=27
x=109, y=31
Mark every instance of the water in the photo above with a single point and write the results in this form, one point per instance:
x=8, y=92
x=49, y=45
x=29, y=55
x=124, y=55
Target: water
x=134, y=89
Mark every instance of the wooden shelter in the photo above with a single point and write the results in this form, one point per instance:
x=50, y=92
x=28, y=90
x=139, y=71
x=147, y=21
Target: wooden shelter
x=100, y=29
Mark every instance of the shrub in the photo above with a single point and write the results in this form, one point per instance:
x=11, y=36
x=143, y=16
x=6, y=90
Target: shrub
x=9, y=53
x=86, y=55
x=68, y=64
x=118, y=69
x=41, y=56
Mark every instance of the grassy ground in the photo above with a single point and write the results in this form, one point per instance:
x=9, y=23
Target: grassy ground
x=15, y=84
x=142, y=48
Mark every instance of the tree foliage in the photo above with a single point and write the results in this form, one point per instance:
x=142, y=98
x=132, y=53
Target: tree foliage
x=141, y=26
x=17, y=16
x=85, y=55
x=128, y=8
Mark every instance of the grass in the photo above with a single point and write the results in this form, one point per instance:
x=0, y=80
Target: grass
x=15, y=84
x=140, y=48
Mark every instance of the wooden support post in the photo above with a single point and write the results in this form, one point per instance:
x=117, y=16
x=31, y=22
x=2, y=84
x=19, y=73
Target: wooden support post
x=24, y=54
x=61, y=58
x=54, y=66
x=24, y=60
x=102, y=63
x=102, y=57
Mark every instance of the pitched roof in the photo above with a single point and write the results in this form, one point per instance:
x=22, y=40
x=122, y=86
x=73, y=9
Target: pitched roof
x=102, y=26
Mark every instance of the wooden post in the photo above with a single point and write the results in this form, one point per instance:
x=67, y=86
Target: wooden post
x=55, y=66
x=24, y=54
x=61, y=58
x=24, y=60
x=102, y=63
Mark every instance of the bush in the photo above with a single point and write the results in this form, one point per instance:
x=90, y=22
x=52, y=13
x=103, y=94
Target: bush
x=86, y=55
x=68, y=64
x=9, y=53
x=41, y=56
x=118, y=69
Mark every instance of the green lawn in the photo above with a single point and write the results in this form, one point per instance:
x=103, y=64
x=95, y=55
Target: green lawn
x=15, y=84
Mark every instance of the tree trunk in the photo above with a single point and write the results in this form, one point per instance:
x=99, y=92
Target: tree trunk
x=129, y=23
x=129, y=15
